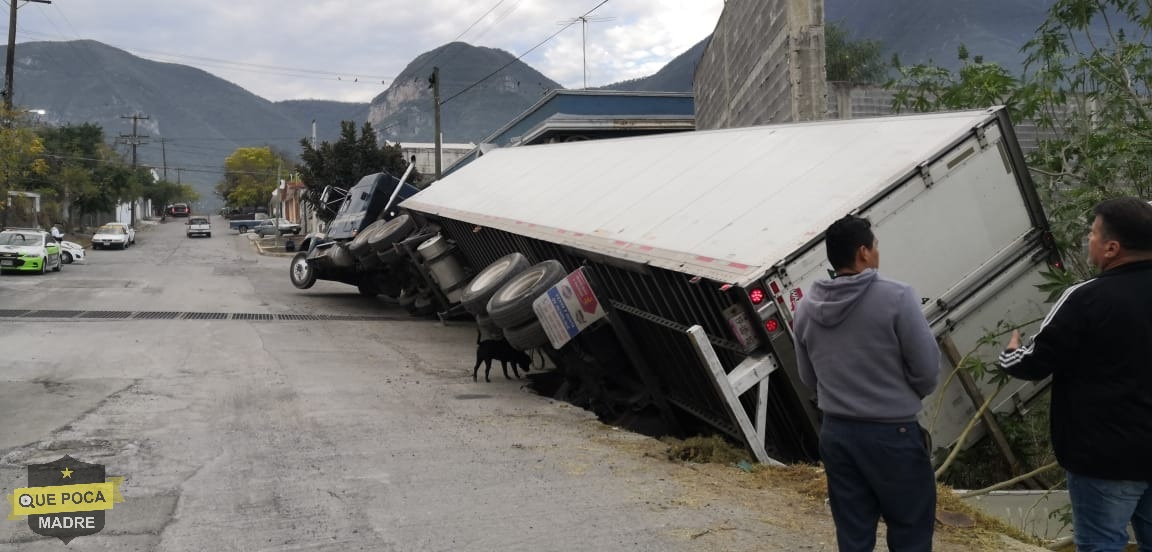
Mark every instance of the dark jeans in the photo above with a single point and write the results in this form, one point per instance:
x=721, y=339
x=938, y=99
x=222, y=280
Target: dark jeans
x=879, y=470
x=1102, y=510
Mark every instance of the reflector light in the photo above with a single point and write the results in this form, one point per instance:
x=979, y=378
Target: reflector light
x=756, y=295
x=775, y=288
x=771, y=325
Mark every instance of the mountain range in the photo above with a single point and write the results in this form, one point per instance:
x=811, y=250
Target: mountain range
x=195, y=119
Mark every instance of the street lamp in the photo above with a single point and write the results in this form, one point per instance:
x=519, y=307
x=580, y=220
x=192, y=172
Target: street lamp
x=12, y=50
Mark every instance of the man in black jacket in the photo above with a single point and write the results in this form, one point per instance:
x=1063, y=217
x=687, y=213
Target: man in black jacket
x=1096, y=343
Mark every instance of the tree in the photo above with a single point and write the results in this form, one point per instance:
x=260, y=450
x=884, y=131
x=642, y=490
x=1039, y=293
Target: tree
x=108, y=185
x=163, y=192
x=347, y=161
x=21, y=155
x=1086, y=86
x=250, y=176
x=73, y=153
x=857, y=61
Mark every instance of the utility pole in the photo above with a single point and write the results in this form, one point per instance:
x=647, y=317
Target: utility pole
x=164, y=158
x=133, y=140
x=10, y=66
x=435, y=80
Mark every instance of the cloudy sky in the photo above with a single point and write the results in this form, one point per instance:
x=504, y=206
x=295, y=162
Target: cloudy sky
x=349, y=50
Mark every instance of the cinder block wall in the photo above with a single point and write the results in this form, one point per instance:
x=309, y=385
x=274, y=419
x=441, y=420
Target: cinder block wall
x=764, y=64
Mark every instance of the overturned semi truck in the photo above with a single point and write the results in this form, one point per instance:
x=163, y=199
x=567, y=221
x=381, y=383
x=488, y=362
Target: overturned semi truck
x=660, y=273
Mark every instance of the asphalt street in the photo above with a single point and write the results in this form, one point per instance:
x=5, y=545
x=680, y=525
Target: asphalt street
x=189, y=367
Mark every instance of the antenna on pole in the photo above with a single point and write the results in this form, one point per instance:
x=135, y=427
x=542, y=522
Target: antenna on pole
x=584, y=20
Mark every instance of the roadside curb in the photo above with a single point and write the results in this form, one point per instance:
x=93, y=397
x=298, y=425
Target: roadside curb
x=271, y=249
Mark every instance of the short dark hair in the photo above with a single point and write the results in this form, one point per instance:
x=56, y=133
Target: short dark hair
x=844, y=237
x=1127, y=220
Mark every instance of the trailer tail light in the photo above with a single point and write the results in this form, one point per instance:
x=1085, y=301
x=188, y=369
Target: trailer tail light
x=772, y=325
x=757, y=296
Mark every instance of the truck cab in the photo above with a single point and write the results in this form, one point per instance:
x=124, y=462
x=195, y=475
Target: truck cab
x=337, y=255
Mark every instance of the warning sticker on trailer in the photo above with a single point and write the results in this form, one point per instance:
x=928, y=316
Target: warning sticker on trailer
x=567, y=308
x=794, y=297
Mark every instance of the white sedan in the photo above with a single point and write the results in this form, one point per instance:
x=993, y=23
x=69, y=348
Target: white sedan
x=114, y=234
x=71, y=252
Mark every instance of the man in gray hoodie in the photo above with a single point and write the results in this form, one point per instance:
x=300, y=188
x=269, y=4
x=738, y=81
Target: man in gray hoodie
x=863, y=344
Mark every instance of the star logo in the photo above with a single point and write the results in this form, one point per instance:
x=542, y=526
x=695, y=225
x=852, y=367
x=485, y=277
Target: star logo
x=67, y=473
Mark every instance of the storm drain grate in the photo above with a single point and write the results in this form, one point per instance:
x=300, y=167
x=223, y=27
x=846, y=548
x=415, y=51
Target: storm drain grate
x=251, y=316
x=157, y=315
x=106, y=314
x=52, y=314
x=13, y=313
x=205, y=315
x=299, y=317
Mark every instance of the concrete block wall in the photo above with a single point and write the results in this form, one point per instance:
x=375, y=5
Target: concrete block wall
x=764, y=64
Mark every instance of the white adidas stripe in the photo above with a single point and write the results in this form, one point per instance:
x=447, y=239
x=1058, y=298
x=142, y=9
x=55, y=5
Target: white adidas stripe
x=1011, y=358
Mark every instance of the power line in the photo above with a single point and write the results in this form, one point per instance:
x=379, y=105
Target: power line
x=505, y=66
x=441, y=52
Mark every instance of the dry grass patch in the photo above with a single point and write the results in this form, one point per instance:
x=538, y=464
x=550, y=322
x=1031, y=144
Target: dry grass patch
x=705, y=450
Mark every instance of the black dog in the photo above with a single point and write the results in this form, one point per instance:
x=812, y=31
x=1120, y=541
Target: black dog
x=499, y=349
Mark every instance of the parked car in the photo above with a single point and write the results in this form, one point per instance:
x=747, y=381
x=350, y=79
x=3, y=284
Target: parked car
x=114, y=234
x=276, y=227
x=246, y=224
x=199, y=226
x=180, y=210
x=29, y=250
x=71, y=252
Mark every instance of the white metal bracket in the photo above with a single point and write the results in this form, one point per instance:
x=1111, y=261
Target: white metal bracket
x=752, y=372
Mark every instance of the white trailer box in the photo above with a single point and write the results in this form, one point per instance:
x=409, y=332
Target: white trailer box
x=950, y=199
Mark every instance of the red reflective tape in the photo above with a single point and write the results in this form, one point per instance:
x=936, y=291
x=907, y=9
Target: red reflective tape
x=618, y=242
x=705, y=259
x=563, y=231
x=737, y=265
x=645, y=248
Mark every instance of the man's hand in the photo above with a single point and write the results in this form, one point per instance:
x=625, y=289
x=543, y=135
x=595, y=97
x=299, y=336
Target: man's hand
x=1014, y=341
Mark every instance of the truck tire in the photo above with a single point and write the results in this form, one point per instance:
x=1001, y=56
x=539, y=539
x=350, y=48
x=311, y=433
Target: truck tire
x=303, y=275
x=476, y=294
x=528, y=336
x=391, y=232
x=511, y=305
x=359, y=245
x=242, y=228
x=488, y=329
x=367, y=290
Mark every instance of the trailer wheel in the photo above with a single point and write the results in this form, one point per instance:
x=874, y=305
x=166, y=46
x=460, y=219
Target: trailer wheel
x=242, y=229
x=488, y=329
x=476, y=294
x=359, y=245
x=303, y=274
x=511, y=305
x=391, y=232
x=527, y=336
x=367, y=290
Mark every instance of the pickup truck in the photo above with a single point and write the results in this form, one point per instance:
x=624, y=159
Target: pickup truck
x=276, y=227
x=198, y=226
x=243, y=225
